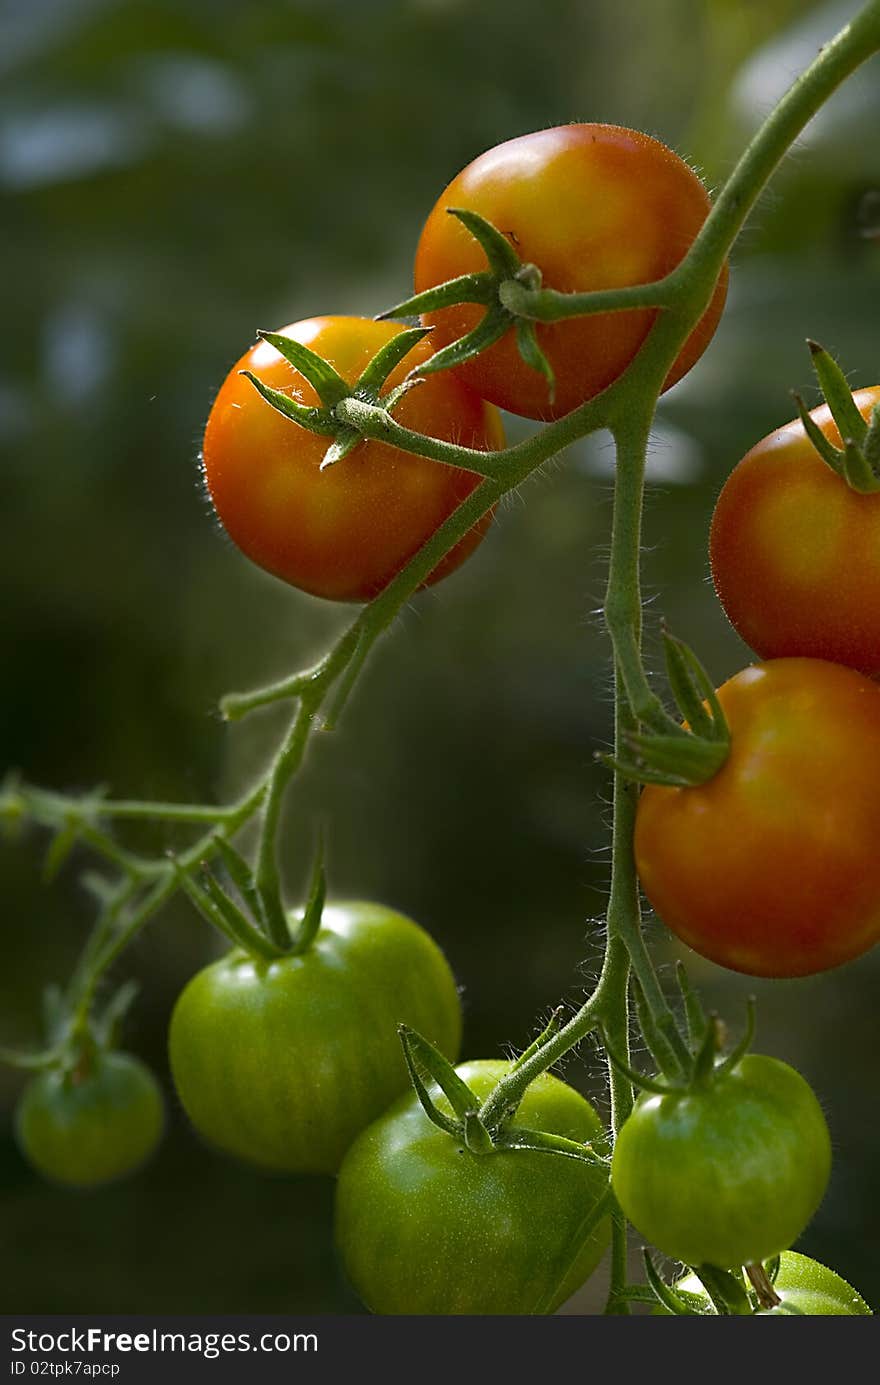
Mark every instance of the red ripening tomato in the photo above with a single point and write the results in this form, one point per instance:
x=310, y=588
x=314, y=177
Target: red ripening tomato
x=343, y=533
x=594, y=207
x=771, y=867
x=795, y=551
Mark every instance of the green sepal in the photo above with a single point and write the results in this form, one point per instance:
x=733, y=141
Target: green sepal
x=476, y=1137
x=346, y=440
x=554, y=1024
x=531, y=352
x=857, y=471
x=639, y=773
x=479, y=287
x=745, y=1043
x=772, y=1268
x=491, y=327
x=327, y=383
x=311, y=920
x=726, y=1292
x=684, y=760
x=241, y=875
x=56, y=1014
x=681, y=1305
x=838, y=395
x=390, y=400
x=60, y=847
x=692, y=688
x=498, y=250
x=387, y=359
x=695, y=1015
x=314, y=420
x=225, y=917
x=871, y=444
x=31, y=1062
x=659, y=1045
x=827, y=451
x=434, y=1114
x=238, y=924
x=98, y=886
x=430, y=1062
x=704, y=1058
x=638, y=1079
x=107, y=1024
x=542, y=1142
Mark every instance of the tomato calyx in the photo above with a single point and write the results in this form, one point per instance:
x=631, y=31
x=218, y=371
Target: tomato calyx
x=427, y=1065
x=497, y=289
x=75, y=1036
x=667, y=751
x=857, y=462
x=328, y=418
x=247, y=925
x=704, y=1065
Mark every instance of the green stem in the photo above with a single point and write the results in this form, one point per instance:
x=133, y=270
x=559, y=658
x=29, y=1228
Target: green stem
x=836, y=61
x=286, y=763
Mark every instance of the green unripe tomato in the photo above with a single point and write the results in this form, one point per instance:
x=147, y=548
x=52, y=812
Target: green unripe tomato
x=808, y=1287
x=728, y=1173
x=426, y=1227
x=92, y=1125
x=283, y=1063
x=805, y=1286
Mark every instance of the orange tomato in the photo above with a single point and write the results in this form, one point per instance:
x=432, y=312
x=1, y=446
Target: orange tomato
x=771, y=867
x=795, y=552
x=343, y=533
x=594, y=207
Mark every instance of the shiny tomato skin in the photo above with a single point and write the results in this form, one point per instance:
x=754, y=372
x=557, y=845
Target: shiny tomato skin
x=806, y=1288
x=343, y=533
x=93, y=1125
x=771, y=867
x=282, y=1063
x=795, y=553
x=425, y=1227
x=729, y=1172
x=594, y=207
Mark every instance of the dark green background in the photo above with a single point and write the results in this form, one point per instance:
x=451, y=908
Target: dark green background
x=174, y=176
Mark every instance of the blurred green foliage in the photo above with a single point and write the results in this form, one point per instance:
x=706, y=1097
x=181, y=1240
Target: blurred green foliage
x=174, y=176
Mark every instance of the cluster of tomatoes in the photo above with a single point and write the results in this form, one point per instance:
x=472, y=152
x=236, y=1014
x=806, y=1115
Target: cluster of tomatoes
x=769, y=867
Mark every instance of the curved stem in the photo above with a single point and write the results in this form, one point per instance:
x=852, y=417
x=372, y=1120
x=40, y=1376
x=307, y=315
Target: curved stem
x=286, y=763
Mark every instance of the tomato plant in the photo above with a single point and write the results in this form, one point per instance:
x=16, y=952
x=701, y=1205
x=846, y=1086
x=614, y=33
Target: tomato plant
x=282, y=1062
x=771, y=867
x=593, y=207
x=804, y=1287
x=795, y=550
x=425, y=1226
x=343, y=532
x=728, y=1172
x=91, y=1124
